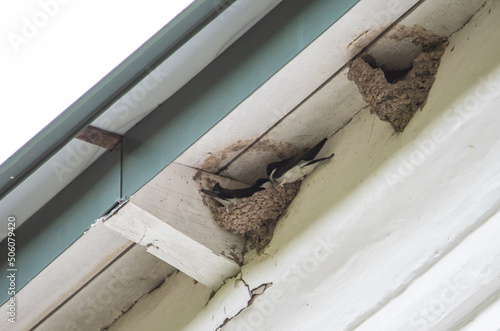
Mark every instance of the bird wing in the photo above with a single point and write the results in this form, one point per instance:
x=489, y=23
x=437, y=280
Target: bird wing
x=214, y=194
x=239, y=193
x=317, y=160
x=312, y=152
x=285, y=165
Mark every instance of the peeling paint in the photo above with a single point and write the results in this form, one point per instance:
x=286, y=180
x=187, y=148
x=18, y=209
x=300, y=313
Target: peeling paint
x=254, y=294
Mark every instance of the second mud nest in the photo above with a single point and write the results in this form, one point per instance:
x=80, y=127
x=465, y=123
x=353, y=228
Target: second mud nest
x=395, y=95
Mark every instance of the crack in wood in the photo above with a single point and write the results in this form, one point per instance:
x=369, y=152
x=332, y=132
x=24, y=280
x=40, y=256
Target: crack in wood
x=357, y=38
x=254, y=294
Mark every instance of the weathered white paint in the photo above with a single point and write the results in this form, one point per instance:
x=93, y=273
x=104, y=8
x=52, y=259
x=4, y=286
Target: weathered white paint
x=100, y=302
x=331, y=107
x=487, y=315
x=174, y=197
x=172, y=246
x=54, y=175
x=373, y=237
x=447, y=294
x=441, y=18
x=168, y=308
x=67, y=274
x=168, y=217
x=335, y=103
x=387, y=217
x=226, y=303
x=283, y=92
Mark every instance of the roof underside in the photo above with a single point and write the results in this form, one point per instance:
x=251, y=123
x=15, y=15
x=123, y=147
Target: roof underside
x=275, y=82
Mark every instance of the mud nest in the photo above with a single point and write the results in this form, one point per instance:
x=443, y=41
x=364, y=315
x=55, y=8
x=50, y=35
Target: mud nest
x=255, y=217
x=395, y=96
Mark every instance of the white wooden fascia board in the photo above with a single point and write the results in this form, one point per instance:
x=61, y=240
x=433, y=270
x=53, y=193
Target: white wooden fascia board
x=442, y=18
x=174, y=304
x=177, y=249
x=169, y=216
x=78, y=264
x=338, y=100
x=392, y=208
x=328, y=110
x=278, y=96
x=373, y=242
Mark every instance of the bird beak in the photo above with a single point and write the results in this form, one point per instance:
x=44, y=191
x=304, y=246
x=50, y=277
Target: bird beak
x=271, y=175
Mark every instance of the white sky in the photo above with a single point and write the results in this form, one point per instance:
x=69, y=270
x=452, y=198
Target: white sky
x=53, y=51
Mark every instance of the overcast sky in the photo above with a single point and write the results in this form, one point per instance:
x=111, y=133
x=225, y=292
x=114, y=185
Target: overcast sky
x=53, y=51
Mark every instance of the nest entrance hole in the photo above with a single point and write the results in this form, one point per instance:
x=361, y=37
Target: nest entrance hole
x=391, y=75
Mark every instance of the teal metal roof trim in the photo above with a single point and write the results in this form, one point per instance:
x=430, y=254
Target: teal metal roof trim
x=166, y=132
x=95, y=101
x=220, y=87
x=54, y=227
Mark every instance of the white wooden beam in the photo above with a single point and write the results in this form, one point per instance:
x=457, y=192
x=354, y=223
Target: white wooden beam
x=113, y=291
x=66, y=275
x=328, y=110
x=169, y=218
x=395, y=234
x=338, y=100
x=173, y=246
x=170, y=307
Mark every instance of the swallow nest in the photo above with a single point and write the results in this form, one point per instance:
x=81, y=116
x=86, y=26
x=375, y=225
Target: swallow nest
x=395, y=95
x=255, y=217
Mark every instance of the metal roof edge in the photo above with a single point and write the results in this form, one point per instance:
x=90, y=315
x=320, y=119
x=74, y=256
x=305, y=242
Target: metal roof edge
x=55, y=226
x=98, y=98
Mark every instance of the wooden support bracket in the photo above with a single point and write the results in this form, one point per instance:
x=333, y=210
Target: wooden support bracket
x=169, y=218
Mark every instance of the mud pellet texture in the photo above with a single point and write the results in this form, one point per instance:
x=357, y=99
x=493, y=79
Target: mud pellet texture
x=255, y=217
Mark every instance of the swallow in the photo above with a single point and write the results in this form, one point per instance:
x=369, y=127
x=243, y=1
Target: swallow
x=295, y=168
x=227, y=196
